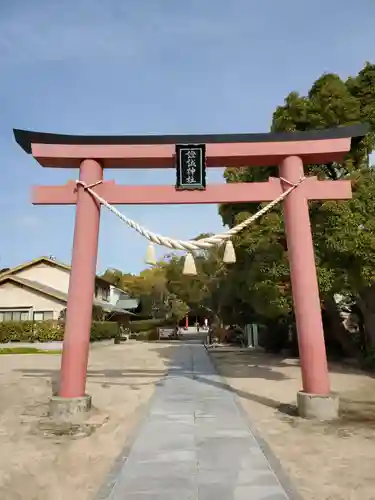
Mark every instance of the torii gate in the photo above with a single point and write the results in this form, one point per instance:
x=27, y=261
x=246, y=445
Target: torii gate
x=92, y=154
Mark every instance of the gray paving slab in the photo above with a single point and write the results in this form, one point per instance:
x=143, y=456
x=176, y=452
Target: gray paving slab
x=195, y=443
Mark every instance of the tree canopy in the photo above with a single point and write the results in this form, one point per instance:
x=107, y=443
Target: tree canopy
x=343, y=232
x=258, y=285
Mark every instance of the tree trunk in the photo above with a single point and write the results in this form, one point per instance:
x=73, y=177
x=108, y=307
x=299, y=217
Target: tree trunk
x=339, y=332
x=366, y=304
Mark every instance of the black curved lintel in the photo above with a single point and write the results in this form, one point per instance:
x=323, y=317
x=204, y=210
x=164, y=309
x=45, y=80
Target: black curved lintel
x=27, y=137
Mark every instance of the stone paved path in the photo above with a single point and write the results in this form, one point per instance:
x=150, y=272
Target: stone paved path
x=195, y=443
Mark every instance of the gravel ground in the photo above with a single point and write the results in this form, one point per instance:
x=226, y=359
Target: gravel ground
x=37, y=466
x=326, y=461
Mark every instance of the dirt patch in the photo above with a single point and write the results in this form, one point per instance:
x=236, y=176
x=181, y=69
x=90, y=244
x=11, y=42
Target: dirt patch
x=40, y=463
x=326, y=461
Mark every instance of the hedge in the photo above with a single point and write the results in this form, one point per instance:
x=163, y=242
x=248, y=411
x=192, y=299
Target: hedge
x=146, y=325
x=50, y=331
x=103, y=330
x=148, y=335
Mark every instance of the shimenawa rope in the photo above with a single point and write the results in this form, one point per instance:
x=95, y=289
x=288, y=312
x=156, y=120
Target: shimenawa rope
x=190, y=245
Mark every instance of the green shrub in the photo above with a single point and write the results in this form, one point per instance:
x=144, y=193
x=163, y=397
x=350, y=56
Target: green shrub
x=148, y=335
x=141, y=336
x=28, y=350
x=144, y=325
x=49, y=331
x=31, y=331
x=102, y=330
x=13, y=331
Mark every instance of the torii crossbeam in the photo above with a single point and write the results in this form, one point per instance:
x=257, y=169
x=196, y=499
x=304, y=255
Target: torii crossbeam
x=93, y=154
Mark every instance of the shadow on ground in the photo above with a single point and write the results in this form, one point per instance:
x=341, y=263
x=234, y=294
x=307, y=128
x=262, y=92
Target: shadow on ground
x=106, y=377
x=232, y=363
x=256, y=366
x=357, y=407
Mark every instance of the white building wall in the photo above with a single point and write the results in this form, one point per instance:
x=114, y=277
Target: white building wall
x=14, y=297
x=48, y=275
x=114, y=295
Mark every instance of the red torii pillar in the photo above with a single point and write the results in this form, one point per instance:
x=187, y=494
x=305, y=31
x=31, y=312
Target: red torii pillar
x=290, y=150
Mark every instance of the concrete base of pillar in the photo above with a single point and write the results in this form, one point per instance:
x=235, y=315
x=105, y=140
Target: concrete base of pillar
x=316, y=406
x=69, y=409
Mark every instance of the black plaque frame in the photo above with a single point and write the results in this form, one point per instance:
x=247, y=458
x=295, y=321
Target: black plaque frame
x=181, y=183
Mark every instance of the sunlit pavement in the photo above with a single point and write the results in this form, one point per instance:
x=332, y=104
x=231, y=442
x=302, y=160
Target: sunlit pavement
x=195, y=442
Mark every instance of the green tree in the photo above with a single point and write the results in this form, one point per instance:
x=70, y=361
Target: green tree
x=150, y=286
x=113, y=276
x=207, y=293
x=343, y=237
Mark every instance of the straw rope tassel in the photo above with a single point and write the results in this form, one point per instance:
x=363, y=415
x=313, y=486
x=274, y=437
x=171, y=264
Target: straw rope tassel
x=229, y=253
x=150, y=255
x=189, y=265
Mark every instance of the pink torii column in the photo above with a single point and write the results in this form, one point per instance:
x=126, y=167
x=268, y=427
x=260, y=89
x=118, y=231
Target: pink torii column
x=81, y=286
x=290, y=151
x=315, y=379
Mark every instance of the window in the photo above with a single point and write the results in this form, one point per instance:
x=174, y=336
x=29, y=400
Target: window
x=43, y=315
x=105, y=293
x=14, y=315
x=102, y=291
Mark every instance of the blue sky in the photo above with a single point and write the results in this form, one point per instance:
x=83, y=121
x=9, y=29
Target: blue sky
x=152, y=67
